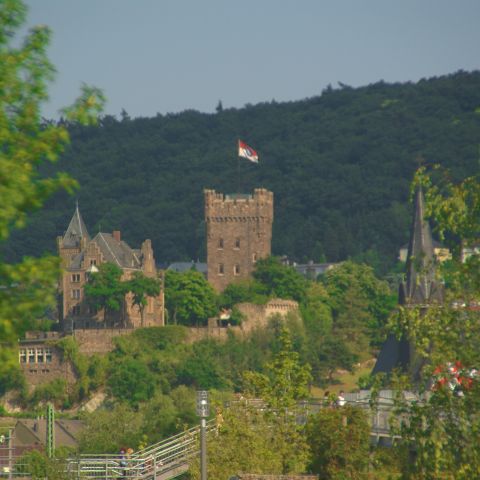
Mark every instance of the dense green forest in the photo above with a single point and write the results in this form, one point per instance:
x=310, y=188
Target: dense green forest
x=340, y=165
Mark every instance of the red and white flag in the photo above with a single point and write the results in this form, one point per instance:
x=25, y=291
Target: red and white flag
x=247, y=152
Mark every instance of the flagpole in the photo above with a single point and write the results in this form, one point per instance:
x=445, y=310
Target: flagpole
x=238, y=167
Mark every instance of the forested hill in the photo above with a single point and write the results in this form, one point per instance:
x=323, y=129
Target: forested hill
x=339, y=164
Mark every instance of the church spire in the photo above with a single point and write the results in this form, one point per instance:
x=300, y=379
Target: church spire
x=420, y=287
x=76, y=230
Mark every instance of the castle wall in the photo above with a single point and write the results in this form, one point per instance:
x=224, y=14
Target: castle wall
x=239, y=232
x=254, y=316
x=42, y=362
x=92, y=341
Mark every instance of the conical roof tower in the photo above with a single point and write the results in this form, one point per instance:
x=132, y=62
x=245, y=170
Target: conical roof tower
x=76, y=231
x=419, y=290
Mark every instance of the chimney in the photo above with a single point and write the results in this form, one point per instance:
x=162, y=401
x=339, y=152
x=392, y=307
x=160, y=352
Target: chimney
x=116, y=235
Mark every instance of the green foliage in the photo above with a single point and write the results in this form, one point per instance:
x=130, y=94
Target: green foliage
x=444, y=428
x=444, y=424
x=54, y=391
x=189, y=298
x=105, y=288
x=245, y=291
x=166, y=415
x=247, y=442
x=203, y=367
x=280, y=280
x=339, y=439
x=156, y=338
x=131, y=380
x=347, y=154
x=360, y=302
x=110, y=430
x=285, y=380
x=27, y=287
x=39, y=466
x=272, y=433
x=142, y=287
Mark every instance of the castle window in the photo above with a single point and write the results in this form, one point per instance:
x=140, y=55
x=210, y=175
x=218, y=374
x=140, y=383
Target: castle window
x=31, y=355
x=221, y=270
x=237, y=243
x=93, y=262
x=220, y=243
x=76, y=293
x=40, y=358
x=22, y=356
x=236, y=269
x=254, y=257
x=48, y=355
x=75, y=277
x=76, y=310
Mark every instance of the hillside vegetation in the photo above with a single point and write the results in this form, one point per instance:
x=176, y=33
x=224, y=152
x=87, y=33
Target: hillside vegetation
x=339, y=164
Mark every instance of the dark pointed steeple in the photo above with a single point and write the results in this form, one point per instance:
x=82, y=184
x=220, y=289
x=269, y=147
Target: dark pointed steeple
x=76, y=230
x=420, y=287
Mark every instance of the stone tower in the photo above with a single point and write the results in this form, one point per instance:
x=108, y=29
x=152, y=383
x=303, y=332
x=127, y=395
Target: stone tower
x=420, y=290
x=239, y=232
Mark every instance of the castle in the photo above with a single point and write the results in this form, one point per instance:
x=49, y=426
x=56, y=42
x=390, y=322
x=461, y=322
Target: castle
x=41, y=360
x=81, y=257
x=239, y=232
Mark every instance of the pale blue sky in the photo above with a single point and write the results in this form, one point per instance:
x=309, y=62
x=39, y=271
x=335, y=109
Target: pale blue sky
x=164, y=56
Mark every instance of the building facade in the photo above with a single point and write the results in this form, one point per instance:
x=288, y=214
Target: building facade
x=81, y=256
x=239, y=232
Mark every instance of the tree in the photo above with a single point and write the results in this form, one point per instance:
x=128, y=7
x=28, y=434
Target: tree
x=105, y=289
x=189, y=298
x=28, y=287
x=445, y=423
x=360, y=303
x=339, y=439
x=142, y=287
x=108, y=431
x=131, y=380
x=244, y=442
x=271, y=432
x=285, y=382
x=244, y=291
x=280, y=280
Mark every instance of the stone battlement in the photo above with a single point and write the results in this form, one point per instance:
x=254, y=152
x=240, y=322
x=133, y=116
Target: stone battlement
x=222, y=207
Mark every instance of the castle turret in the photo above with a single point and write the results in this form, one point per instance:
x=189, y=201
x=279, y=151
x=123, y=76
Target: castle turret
x=239, y=232
x=74, y=239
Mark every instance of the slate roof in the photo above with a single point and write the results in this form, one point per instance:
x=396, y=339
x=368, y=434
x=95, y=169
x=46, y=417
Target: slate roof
x=33, y=432
x=113, y=251
x=117, y=252
x=185, y=266
x=75, y=231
